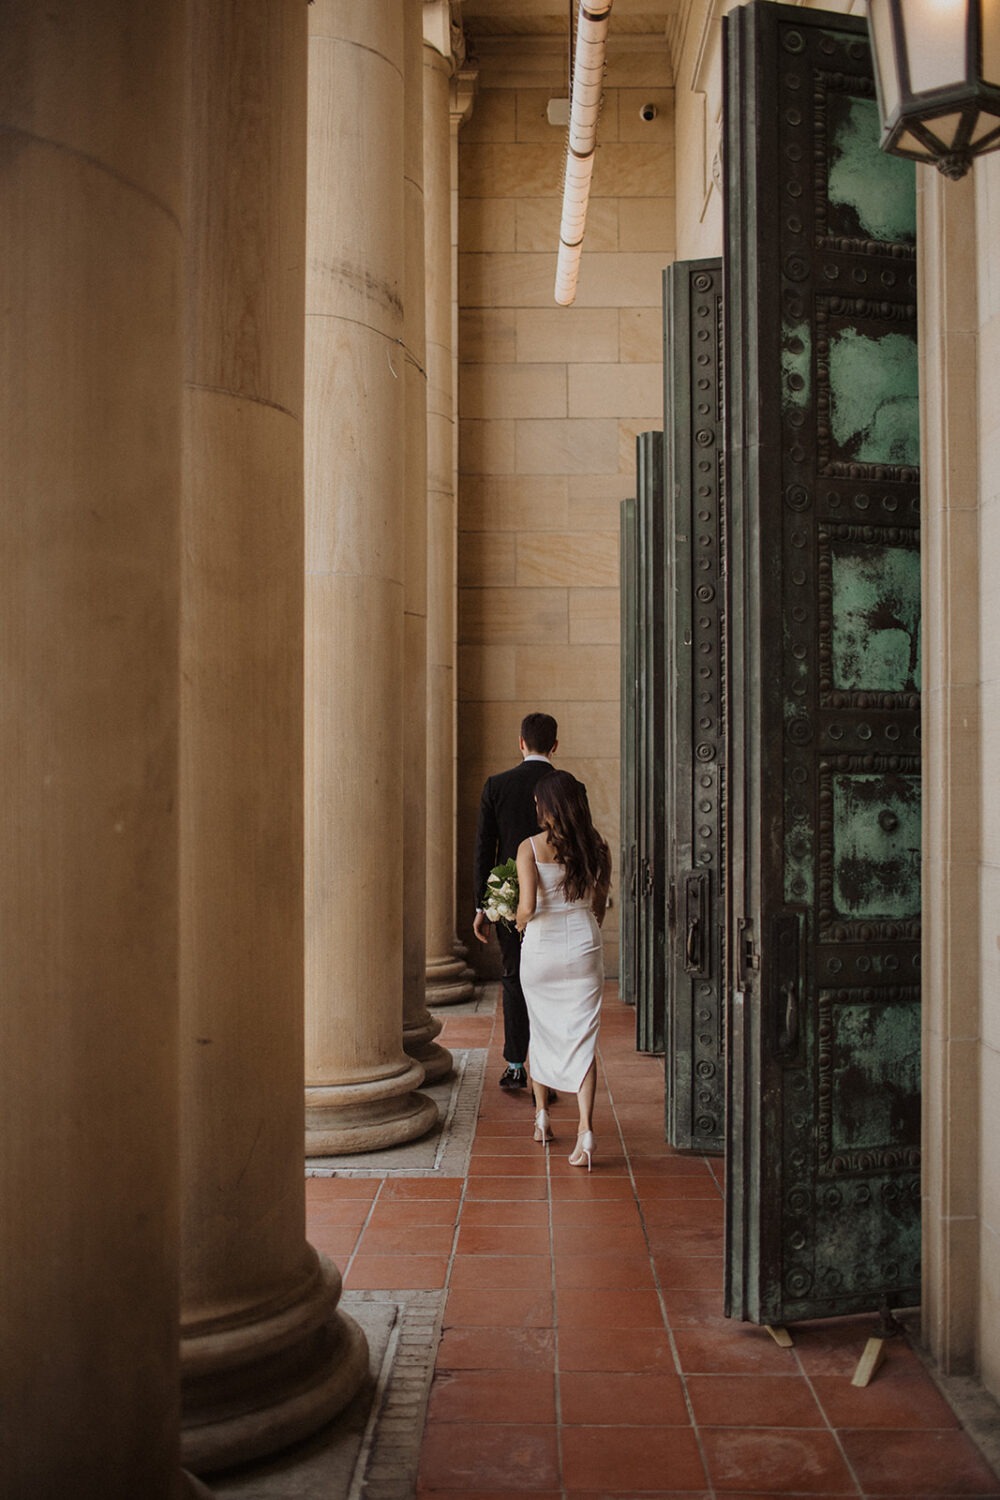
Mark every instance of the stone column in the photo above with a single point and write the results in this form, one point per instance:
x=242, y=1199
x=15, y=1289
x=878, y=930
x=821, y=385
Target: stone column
x=449, y=979
x=266, y=1355
x=91, y=104
x=419, y=1026
x=464, y=87
x=952, y=976
x=361, y=1085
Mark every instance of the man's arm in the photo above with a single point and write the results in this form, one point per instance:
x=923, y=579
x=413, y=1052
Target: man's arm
x=487, y=843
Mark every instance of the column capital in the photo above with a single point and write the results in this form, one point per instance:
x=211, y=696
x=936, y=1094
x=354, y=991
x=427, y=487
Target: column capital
x=443, y=30
x=464, y=87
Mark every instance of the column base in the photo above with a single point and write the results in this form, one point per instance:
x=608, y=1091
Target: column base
x=437, y=1061
x=368, y=1116
x=251, y=1388
x=418, y=1043
x=449, y=982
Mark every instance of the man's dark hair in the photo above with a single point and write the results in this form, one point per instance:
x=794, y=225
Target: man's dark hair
x=539, y=732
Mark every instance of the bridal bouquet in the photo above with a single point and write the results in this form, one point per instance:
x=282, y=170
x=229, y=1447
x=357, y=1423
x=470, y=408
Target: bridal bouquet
x=501, y=894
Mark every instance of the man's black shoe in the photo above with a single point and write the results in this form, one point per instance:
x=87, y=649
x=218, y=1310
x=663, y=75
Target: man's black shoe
x=513, y=1078
x=553, y=1097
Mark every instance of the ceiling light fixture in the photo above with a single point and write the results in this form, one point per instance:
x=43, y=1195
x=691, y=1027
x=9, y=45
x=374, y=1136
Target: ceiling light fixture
x=585, y=106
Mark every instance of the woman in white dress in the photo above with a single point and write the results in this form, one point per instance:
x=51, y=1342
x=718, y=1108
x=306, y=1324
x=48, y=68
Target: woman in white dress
x=563, y=877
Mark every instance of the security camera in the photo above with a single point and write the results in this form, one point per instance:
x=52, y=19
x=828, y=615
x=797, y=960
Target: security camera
x=648, y=112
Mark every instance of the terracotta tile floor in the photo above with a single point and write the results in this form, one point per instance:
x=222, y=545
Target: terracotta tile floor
x=584, y=1352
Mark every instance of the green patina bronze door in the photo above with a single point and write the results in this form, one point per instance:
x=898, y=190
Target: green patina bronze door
x=823, y=1210
x=626, y=881
x=694, y=619
x=649, y=787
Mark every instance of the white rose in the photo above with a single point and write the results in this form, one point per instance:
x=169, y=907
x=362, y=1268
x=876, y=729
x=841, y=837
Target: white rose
x=492, y=915
x=507, y=889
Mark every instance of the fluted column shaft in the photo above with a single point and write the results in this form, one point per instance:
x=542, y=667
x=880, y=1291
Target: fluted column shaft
x=360, y=1082
x=449, y=980
x=419, y=1026
x=266, y=1355
x=91, y=105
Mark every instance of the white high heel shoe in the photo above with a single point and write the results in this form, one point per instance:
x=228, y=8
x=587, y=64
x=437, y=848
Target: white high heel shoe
x=584, y=1150
x=542, y=1131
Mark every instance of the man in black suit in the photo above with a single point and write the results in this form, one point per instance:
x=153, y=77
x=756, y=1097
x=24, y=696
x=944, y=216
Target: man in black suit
x=507, y=817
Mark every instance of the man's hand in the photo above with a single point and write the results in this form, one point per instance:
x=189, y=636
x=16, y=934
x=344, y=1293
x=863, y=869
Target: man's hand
x=481, y=927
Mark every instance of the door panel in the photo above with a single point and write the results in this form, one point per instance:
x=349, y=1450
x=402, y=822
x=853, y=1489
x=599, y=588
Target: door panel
x=694, y=618
x=627, y=865
x=823, y=1184
x=650, y=782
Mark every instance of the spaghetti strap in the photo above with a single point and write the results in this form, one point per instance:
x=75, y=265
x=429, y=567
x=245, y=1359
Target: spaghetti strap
x=531, y=841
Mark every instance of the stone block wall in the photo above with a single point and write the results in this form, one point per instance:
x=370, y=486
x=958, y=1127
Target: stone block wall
x=550, y=401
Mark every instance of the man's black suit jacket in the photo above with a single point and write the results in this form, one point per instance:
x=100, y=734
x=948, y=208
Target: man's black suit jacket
x=507, y=817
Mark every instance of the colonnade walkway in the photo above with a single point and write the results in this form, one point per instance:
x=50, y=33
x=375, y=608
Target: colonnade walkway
x=583, y=1351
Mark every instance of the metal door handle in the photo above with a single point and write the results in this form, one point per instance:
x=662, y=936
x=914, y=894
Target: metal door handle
x=693, y=946
x=790, y=1035
x=785, y=964
x=697, y=914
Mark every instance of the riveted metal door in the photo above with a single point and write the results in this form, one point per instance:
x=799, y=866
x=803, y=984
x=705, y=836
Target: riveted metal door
x=824, y=639
x=650, y=849
x=629, y=705
x=695, y=704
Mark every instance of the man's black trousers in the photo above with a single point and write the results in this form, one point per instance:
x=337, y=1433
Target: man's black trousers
x=515, y=1012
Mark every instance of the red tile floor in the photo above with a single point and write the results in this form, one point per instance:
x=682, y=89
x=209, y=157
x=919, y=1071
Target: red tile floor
x=584, y=1354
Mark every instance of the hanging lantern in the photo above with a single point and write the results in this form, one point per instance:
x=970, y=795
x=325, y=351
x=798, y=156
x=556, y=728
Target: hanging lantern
x=937, y=72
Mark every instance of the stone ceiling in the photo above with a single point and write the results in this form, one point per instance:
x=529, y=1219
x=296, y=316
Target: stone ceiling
x=550, y=18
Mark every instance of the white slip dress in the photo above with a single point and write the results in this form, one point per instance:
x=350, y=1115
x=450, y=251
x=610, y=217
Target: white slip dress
x=562, y=976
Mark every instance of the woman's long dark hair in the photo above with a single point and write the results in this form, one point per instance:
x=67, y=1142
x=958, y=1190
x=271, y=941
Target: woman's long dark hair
x=563, y=807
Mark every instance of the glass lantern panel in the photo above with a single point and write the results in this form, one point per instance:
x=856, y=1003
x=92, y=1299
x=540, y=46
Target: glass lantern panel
x=990, y=12
x=936, y=42
x=985, y=125
x=945, y=127
x=886, y=68
x=907, y=142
